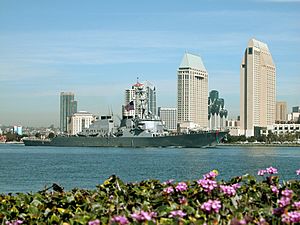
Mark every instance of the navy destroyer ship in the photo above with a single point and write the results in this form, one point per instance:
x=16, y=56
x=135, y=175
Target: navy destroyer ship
x=141, y=135
x=140, y=130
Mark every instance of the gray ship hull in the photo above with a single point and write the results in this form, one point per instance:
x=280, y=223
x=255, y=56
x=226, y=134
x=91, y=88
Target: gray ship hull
x=196, y=140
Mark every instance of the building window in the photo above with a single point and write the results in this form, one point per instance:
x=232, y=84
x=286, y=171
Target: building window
x=250, y=50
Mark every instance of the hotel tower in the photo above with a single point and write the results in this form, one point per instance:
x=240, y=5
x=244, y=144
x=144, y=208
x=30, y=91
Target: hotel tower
x=192, y=91
x=257, y=88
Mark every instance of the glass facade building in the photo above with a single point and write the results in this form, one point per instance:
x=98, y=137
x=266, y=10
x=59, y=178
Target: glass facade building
x=68, y=106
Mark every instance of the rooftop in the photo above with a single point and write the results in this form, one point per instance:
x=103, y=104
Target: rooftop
x=192, y=61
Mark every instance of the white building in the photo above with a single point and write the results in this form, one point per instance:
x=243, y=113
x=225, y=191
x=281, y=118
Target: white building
x=282, y=128
x=295, y=114
x=234, y=127
x=80, y=120
x=192, y=91
x=258, y=88
x=169, y=117
x=129, y=97
x=18, y=130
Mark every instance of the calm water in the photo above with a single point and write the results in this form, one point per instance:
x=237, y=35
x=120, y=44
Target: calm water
x=24, y=169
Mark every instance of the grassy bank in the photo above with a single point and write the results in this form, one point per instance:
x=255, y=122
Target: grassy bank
x=241, y=200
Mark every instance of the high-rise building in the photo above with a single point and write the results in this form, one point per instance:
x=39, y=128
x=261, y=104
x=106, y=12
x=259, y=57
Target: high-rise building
x=281, y=111
x=68, y=106
x=133, y=96
x=192, y=91
x=151, y=94
x=258, y=88
x=217, y=114
x=169, y=117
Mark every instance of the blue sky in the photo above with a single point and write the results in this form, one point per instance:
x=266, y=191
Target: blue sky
x=97, y=49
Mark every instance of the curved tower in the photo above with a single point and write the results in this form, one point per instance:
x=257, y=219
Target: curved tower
x=257, y=88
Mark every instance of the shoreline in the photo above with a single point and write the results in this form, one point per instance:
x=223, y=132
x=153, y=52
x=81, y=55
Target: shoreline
x=258, y=145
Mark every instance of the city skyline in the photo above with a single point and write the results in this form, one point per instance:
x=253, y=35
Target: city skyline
x=97, y=50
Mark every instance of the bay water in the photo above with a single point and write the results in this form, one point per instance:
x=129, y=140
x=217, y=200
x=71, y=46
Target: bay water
x=30, y=169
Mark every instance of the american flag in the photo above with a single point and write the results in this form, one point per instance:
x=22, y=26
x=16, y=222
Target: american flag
x=130, y=106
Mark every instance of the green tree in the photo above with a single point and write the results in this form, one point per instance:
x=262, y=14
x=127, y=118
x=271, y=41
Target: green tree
x=51, y=135
x=262, y=138
x=11, y=136
x=251, y=139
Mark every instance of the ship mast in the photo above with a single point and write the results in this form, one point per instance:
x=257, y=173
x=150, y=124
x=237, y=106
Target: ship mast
x=141, y=100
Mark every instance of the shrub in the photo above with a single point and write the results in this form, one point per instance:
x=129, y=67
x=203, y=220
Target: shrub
x=241, y=200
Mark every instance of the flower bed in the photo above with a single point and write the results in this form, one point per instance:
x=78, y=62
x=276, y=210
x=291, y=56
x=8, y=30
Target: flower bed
x=242, y=200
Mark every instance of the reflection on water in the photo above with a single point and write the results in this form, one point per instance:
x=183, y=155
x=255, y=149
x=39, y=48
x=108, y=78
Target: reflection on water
x=31, y=168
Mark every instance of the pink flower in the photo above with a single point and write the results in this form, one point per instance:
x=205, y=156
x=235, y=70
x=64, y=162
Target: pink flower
x=274, y=189
x=211, y=205
x=271, y=170
x=207, y=185
x=236, y=186
x=210, y=175
x=122, y=220
x=261, y=172
x=14, y=222
x=291, y=217
x=228, y=190
x=284, y=201
x=287, y=193
x=298, y=172
x=168, y=182
x=181, y=186
x=262, y=221
x=168, y=190
x=296, y=205
x=94, y=222
x=177, y=213
x=136, y=216
x=143, y=216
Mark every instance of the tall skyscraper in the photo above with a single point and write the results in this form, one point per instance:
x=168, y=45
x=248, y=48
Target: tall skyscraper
x=192, y=91
x=68, y=106
x=169, y=117
x=258, y=88
x=151, y=94
x=131, y=108
x=281, y=111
